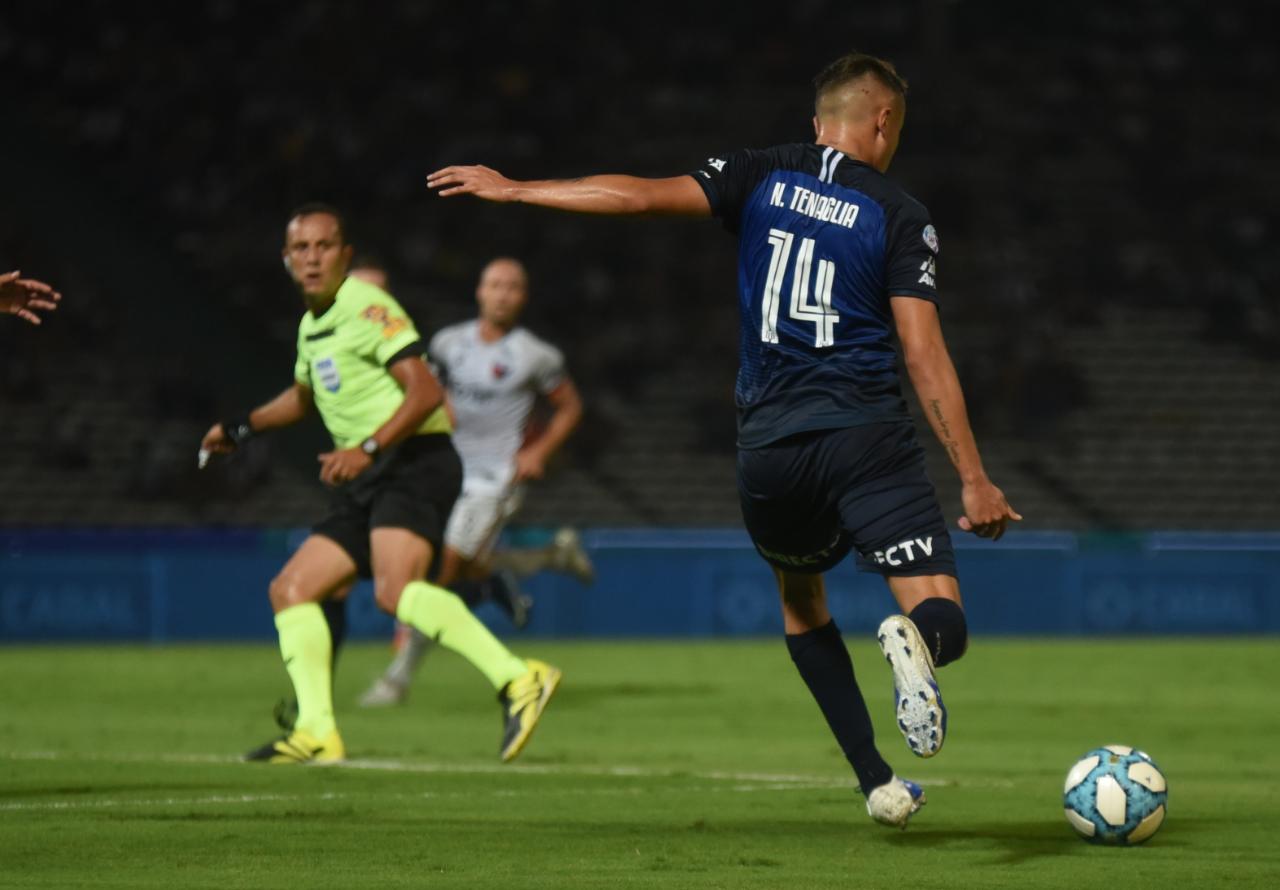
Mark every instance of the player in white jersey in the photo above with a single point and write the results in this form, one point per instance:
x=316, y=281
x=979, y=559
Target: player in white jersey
x=494, y=372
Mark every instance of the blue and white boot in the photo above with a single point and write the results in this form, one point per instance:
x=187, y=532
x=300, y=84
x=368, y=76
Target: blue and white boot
x=894, y=802
x=920, y=713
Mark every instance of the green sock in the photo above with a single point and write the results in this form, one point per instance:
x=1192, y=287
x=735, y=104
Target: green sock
x=443, y=617
x=307, y=650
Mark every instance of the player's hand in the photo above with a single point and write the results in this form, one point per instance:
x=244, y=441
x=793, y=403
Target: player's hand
x=337, y=467
x=986, y=512
x=23, y=296
x=483, y=182
x=530, y=465
x=216, y=441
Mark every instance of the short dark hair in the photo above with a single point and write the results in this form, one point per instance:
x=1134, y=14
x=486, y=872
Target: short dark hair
x=852, y=66
x=313, y=207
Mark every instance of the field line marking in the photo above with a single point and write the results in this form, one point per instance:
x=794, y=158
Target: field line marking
x=428, y=767
x=770, y=780
x=470, y=794
x=214, y=799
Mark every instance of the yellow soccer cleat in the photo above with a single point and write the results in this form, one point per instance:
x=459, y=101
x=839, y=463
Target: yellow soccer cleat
x=523, y=700
x=300, y=746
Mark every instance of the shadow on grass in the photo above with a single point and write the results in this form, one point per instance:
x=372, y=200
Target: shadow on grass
x=1017, y=842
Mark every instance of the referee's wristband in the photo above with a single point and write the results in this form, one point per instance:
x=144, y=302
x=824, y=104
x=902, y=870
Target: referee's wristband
x=238, y=431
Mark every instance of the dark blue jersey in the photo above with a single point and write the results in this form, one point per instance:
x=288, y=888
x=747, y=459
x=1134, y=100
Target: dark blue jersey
x=823, y=242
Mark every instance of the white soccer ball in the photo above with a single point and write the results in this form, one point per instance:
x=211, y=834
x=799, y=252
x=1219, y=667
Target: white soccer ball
x=1115, y=795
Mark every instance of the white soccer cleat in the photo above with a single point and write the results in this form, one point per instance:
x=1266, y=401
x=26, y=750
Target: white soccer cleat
x=383, y=694
x=894, y=802
x=571, y=557
x=920, y=714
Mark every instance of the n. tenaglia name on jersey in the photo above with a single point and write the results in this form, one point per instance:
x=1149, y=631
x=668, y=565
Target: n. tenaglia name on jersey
x=823, y=208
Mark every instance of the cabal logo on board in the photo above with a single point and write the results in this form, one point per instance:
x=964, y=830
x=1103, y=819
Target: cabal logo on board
x=904, y=551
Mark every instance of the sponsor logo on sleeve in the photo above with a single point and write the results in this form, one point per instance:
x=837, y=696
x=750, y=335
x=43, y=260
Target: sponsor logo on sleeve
x=391, y=324
x=931, y=237
x=928, y=269
x=717, y=163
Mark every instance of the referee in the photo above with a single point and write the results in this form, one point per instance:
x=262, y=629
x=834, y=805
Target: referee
x=394, y=477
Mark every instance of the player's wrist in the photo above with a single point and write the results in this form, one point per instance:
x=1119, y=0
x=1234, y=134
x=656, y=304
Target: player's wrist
x=238, y=430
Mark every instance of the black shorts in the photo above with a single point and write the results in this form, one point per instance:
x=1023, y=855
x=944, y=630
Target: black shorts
x=809, y=499
x=412, y=485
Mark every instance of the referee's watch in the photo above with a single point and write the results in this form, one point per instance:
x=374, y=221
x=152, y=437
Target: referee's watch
x=370, y=446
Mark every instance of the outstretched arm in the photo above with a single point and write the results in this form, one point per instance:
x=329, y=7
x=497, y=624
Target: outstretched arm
x=986, y=512
x=287, y=408
x=607, y=194
x=23, y=296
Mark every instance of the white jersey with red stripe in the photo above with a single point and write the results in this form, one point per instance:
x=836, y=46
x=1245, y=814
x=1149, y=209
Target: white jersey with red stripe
x=492, y=388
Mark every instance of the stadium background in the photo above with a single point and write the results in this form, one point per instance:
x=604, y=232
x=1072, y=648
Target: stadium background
x=1102, y=177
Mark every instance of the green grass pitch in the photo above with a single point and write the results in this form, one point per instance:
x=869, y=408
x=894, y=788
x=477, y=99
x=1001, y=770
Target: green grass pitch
x=659, y=764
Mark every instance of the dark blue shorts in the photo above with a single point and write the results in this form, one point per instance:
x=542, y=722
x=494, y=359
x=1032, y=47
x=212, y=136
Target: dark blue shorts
x=809, y=499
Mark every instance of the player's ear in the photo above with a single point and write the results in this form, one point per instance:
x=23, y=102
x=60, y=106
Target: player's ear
x=817, y=128
x=288, y=263
x=882, y=120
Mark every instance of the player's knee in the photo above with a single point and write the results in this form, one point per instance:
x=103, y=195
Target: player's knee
x=941, y=622
x=286, y=590
x=387, y=590
x=804, y=601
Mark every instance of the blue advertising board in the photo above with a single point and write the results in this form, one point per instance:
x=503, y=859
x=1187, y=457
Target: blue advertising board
x=211, y=585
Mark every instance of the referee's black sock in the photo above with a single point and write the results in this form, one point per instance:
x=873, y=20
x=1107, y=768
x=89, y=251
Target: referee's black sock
x=827, y=669
x=496, y=587
x=473, y=593
x=941, y=623
x=335, y=615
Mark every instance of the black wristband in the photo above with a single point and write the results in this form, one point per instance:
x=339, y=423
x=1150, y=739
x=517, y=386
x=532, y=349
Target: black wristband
x=238, y=431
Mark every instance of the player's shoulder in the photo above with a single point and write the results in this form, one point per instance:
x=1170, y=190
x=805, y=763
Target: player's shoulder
x=356, y=295
x=793, y=155
x=527, y=339
x=885, y=191
x=451, y=336
x=797, y=156
x=530, y=343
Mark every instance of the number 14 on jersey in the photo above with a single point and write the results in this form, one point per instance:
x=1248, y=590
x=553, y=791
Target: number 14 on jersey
x=819, y=312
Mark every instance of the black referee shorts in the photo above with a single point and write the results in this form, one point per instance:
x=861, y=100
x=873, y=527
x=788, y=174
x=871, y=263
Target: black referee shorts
x=809, y=499
x=412, y=485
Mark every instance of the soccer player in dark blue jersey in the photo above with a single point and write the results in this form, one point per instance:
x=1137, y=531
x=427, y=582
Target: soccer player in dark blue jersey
x=834, y=258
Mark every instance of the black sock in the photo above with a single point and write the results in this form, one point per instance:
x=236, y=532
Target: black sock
x=941, y=623
x=335, y=615
x=827, y=669
x=499, y=590
x=473, y=593
x=495, y=588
